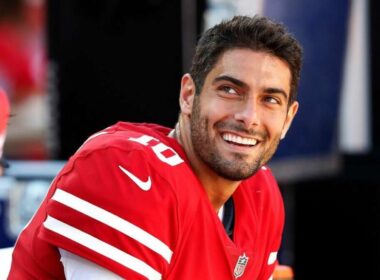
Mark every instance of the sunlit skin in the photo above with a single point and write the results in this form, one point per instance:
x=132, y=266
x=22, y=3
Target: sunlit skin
x=234, y=126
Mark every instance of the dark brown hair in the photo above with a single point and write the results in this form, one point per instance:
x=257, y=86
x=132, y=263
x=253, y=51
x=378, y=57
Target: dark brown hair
x=258, y=33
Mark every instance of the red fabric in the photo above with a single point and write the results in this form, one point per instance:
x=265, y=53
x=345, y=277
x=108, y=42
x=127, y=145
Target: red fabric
x=14, y=59
x=22, y=60
x=4, y=111
x=175, y=210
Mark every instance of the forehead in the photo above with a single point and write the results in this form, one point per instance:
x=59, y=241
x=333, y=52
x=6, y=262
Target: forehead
x=253, y=66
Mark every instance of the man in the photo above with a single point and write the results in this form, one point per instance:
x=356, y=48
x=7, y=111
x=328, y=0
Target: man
x=4, y=116
x=141, y=201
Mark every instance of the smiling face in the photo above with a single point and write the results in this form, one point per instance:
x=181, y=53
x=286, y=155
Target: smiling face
x=242, y=112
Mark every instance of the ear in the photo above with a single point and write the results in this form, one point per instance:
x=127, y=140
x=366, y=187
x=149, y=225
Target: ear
x=292, y=111
x=187, y=94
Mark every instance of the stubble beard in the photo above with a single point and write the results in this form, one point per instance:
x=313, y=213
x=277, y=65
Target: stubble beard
x=205, y=147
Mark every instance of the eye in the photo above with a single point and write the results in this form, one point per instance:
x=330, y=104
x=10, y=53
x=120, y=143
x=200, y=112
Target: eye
x=228, y=90
x=272, y=100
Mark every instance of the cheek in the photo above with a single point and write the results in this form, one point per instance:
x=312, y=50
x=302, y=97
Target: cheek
x=274, y=122
x=216, y=111
x=216, y=108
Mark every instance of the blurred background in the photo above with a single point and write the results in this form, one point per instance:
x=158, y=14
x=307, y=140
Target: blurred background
x=71, y=68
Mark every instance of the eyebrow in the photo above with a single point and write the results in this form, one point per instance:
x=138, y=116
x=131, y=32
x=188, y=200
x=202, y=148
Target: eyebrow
x=242, y=84
x=277, y=91
x=232, y=80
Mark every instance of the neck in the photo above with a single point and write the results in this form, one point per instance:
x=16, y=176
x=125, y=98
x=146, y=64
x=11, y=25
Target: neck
x=218, y=189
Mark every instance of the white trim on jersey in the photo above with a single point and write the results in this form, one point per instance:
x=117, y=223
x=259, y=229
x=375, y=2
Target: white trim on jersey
x=272, y=258
x=78, y=268
x=101, y=247
x=221, y=213
x=114, y=221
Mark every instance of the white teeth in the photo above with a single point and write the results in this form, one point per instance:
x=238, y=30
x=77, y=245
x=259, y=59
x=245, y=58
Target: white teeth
x=239, y=140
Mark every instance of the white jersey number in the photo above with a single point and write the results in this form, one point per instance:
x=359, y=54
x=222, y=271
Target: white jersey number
x=163, y=152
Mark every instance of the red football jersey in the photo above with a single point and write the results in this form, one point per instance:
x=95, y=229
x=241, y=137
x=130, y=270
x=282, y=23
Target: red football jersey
x=129, y=201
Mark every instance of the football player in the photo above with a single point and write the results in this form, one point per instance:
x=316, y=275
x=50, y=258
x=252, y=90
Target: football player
x=142, y=201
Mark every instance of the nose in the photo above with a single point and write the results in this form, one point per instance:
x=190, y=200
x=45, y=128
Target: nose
x=248, y=113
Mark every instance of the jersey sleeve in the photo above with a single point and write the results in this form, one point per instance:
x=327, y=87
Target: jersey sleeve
x=114, y=208
x=77, y=268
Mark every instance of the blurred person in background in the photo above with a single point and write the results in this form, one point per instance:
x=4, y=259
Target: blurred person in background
x=4, y=116
x=142, y=201
x=23, y=77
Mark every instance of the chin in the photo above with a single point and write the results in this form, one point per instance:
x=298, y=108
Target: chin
x=237, y=171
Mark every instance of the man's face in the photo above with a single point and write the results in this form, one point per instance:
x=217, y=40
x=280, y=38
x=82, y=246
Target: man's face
x=241, y=113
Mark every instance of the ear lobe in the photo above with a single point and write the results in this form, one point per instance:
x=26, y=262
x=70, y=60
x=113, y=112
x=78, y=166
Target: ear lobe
x=292, y=111
x=187, y=94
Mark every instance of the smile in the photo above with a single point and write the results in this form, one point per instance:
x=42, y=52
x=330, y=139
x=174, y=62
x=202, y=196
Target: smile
x=238, y=140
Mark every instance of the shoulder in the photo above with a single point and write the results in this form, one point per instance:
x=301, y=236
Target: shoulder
x=124, y=136
x=114, y=189
x=146, y=141
x=122, y=159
